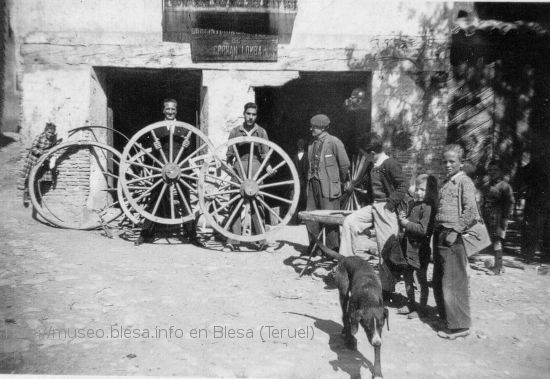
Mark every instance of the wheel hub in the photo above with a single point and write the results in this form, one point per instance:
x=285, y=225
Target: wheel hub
x=171, y=172
x=250, y=188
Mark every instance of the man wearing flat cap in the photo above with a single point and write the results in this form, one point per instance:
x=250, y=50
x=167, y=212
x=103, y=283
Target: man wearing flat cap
x=328, y=169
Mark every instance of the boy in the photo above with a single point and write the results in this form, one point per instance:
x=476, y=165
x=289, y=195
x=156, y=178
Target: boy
x=498, y=205
x=450, y=278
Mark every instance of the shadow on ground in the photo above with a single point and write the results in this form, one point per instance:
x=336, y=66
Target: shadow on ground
x=349, y=361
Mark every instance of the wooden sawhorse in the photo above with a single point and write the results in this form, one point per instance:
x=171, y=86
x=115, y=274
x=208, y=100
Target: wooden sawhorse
x=324, y=217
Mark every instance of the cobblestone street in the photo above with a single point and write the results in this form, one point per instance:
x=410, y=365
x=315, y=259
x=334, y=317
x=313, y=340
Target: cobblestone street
x=76, y=302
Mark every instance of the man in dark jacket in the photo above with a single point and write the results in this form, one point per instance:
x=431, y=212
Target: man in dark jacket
x=388, y=187
x=162, y=142
x=302, y=166
x=328, y=169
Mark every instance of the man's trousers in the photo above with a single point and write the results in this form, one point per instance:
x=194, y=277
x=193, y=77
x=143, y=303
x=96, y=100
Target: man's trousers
x=386, y=228
x=316, y=201
x=450, y=281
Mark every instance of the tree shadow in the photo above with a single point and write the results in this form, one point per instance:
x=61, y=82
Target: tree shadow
x=349, y=361
x=413, y=78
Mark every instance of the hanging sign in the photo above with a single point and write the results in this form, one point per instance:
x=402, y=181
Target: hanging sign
x=230, y=30
x=209, y=45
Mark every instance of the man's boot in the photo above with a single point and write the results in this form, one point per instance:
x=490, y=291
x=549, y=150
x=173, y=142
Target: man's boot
x=423, y=298
x=497, y=269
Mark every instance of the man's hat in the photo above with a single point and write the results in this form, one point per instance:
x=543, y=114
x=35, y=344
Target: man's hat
x=320, y=121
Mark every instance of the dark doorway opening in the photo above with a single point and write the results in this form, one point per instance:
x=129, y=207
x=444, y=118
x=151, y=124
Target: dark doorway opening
x=285, y=111
x=135, y=96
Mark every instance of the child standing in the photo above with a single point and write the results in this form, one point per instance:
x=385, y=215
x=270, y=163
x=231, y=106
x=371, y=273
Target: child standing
x=418, y=224
x=498, y=205
x=44, y=141
x=456, y=212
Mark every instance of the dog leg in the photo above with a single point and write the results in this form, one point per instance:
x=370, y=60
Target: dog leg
x=344, y=299
x=342, y=282
x=377, y=369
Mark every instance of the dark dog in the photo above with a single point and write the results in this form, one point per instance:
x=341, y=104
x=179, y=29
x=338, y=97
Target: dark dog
x=361, y=300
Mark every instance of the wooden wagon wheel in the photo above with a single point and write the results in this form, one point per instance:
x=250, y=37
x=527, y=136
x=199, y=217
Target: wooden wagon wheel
x=100, y=160
x=91, y=128
x=161, y=184
x=351, y=199
x=241, y=190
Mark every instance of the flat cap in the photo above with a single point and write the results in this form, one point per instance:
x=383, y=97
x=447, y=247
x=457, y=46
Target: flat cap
x=320, y=121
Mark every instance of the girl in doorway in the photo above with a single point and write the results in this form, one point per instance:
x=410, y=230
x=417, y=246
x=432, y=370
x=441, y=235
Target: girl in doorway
x=44, y=141
x=418, y=225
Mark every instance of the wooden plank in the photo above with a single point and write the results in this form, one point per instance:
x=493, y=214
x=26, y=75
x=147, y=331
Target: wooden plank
x=330, y=217
x=174, y=55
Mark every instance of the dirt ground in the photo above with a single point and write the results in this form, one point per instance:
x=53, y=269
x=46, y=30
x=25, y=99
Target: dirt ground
x=76, y=302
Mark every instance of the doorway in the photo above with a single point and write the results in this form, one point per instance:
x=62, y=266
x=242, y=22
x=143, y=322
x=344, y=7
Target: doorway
x=285, y=111
x=135, y=97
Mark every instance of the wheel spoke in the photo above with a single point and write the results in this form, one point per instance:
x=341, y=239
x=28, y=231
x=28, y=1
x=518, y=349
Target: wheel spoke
x=147, y=166
x=287, y=182
x=187, y=158
x=222, y=193
x=111, y=175
x=182, y=196
x=139, y=179
x=181, y=149
x=223, y=180
x=238, y=157
x=171, y=145
x=138, y=187
x=231, y=171
x=281, y=164
x=132, y=174
x=231, y=201
x=233, y=214
x=264, y=163
x=188, y=168
x=275, y=197
x=262, y=228
x=190, y=177
x=250, y=156
x=159, y=199
x=148, y=190
x=148, y=154
x=192, y=189
x=269, y=209
x=155, y=138
x=356, y=201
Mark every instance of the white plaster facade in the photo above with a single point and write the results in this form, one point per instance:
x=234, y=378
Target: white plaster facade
x=70, y=37
x=61, y=41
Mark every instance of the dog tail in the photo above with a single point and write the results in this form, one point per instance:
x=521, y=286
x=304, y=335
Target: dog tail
x=331, y=253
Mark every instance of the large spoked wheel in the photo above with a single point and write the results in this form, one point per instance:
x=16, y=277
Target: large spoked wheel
x=161, y=183
x=243, y=192
x=74, y=185
x=355, y=195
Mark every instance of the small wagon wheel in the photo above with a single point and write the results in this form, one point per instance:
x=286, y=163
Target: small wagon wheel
x=65, y=204
x=161, y=184
x=133, y=216
x=91, y=128
x=352, y=198
x=245, y=190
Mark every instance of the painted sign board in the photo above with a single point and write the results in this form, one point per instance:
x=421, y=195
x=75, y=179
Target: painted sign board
x=209, y=45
